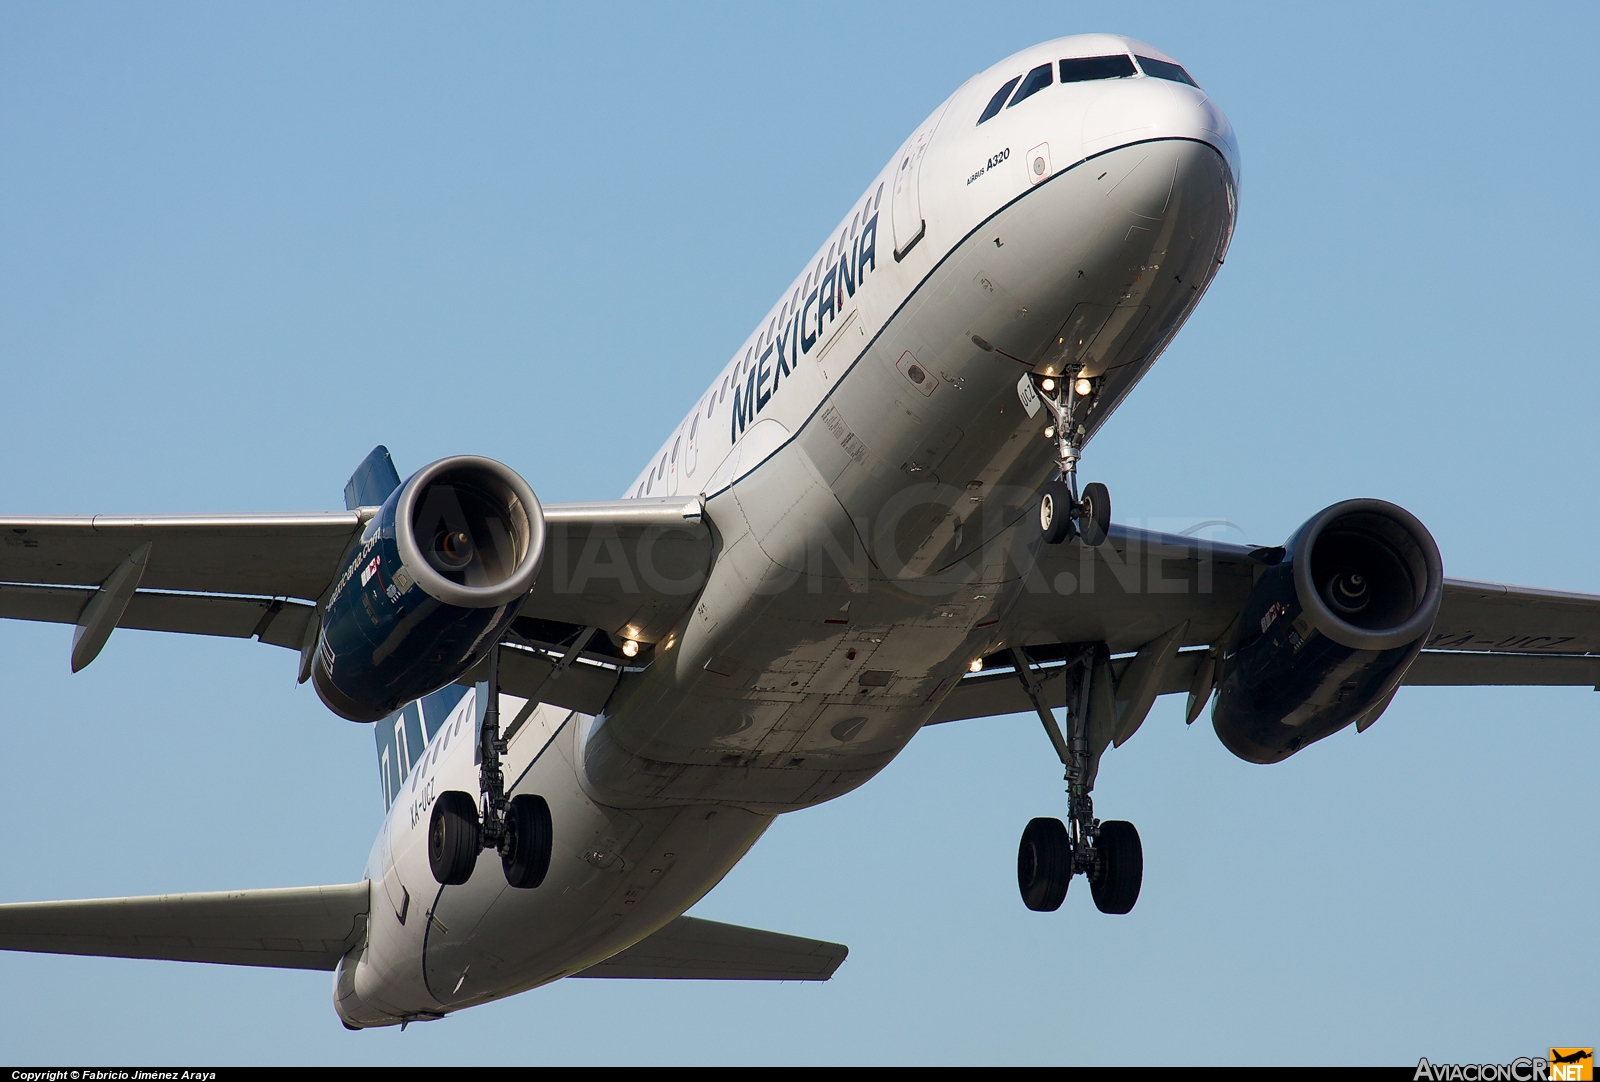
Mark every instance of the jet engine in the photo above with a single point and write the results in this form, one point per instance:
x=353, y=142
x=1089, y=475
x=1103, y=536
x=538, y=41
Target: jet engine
x=1329, y=629
x=436, y=578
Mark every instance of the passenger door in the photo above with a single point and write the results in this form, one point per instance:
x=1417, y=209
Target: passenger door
x=905, y=201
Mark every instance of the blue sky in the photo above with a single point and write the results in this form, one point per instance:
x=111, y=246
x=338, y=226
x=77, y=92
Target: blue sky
x=240, y=245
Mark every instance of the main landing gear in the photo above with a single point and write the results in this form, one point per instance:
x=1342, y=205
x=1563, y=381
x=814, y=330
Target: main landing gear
x=1052, y=852
x=519, y=828
x=1063, y=513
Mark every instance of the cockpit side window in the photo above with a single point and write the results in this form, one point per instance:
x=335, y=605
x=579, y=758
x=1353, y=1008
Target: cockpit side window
x=1036, y=80
x=1163, y=69
x=1083, y=69
x=997, y=102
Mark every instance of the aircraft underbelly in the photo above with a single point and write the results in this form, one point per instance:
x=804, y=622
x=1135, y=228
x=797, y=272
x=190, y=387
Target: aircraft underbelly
x=868, y=560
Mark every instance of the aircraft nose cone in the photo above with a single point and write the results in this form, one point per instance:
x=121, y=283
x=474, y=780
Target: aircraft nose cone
x=1135, y=110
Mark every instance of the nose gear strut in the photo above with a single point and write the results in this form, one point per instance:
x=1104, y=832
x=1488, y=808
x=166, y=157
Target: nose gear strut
x=1063, y=513
x=1109, y=853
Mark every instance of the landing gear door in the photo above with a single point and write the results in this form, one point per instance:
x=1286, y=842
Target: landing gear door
x=906, y=197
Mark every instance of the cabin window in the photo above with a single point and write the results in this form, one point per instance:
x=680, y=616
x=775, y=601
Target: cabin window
x=1036, y=80
x=996, y=103
x=724, y=393
x=1084, y=69
x=1164, y=69
x=877, y=198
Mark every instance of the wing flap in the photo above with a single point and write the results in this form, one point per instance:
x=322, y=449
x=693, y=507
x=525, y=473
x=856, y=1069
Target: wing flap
x=271, y=620
x=990, y=694
x=583, y=687
x=289, y=928
x=1442, y=668
x=691, y=949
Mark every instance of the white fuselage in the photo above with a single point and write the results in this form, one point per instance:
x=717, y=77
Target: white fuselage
x=868, y=468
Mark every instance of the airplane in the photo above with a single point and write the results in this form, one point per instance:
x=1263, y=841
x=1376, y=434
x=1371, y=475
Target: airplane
x=869, y=523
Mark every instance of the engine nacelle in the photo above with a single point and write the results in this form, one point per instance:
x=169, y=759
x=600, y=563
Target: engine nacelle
x=1329, y=630
x=437, y=577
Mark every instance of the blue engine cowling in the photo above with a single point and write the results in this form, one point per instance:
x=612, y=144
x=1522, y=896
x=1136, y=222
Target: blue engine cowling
x=1329, y=629
x=435, y=580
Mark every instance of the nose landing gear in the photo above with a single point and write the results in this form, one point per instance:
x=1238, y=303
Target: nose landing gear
x=519, y=828
x=1063, y=514
x=1109, y=853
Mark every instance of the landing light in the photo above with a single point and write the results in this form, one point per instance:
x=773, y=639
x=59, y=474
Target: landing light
x=1048, y=385
x=1083, y=387
x=630, y=648
x=976, y=666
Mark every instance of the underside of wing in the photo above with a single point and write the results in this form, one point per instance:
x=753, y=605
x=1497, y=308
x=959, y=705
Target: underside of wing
x=292, y=928
x=691, y=949
x=1489, y=633
x=269, y=555
x=629, y=567
x=1486, y=634
x=1491, y=617
x=1135, y=587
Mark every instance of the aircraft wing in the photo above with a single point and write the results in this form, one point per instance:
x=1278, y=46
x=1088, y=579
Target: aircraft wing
x=691, y=949
x=628, y=567
x=1139, y=586
x=622, y=564
x=293, y=928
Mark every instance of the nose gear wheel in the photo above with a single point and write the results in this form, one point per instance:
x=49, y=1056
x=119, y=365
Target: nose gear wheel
x=1063, y=513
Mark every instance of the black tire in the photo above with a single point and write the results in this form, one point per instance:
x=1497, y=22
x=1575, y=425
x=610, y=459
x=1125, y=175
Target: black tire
x=454, y=838
x=526, y=857
x=1055, y=512
x=1095, y=521
x=1044, y=865
x=1120, y=868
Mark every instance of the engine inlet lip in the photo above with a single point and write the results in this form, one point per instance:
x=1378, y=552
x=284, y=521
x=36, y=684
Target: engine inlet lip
x=1418, y=624
x=522, y=501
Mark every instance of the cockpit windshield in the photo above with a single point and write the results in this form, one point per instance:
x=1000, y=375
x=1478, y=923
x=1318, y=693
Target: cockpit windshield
x=1084, y=68
x=1037, y=80
x=998, y=102
x=1165, y=69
